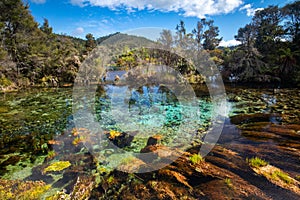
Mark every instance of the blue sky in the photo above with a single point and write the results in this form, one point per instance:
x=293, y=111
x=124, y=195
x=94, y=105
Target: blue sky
x=102, y=17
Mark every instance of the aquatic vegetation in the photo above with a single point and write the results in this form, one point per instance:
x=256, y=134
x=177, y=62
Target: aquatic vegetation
x=113, y=134
x=80, y=131
x=196, y=158
x=81, y=190
x=228, y=182
x=51, y=154
x=279, y=178
x=22, y=190
x=57, y=166
x=282, y=176
x=77, y=140
x=256, y=162
x=110, y=179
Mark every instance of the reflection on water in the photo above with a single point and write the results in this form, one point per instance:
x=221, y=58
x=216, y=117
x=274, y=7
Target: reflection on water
x=150, y=110
x=37, y=126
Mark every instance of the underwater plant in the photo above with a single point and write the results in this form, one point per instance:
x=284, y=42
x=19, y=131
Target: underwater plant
x=57, y=166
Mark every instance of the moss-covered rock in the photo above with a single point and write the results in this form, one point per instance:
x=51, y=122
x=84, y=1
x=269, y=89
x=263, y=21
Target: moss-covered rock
x=22, y=190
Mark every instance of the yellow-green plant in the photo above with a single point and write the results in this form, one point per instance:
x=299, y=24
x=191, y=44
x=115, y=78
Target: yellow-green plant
x=110, y=179
x=57, y=166
x=22, y=190
x=196, y=158
x=228, y=182
x=256, y=162
x=282, y=176
x=51, y=154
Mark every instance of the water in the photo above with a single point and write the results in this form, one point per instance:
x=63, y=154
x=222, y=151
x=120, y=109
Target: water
x=37, y=127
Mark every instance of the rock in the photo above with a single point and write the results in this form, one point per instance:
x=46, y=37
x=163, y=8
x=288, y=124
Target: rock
x=120, y=139
x=117, y=78
x=153, y=140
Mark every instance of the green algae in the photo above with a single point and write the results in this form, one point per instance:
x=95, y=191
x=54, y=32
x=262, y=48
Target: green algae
x=57, y=166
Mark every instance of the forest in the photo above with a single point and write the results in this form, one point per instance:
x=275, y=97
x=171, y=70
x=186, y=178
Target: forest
x=31, y=54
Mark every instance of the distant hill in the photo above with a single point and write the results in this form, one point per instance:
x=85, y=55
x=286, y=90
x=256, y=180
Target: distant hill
x=121, y=39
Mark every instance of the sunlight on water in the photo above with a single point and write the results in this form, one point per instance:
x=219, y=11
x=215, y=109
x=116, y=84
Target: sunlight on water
x=151, y=110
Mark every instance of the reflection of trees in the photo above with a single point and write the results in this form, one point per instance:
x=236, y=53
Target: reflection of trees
x=146, y=97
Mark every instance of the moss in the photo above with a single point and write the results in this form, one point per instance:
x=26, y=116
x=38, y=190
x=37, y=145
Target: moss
x=110, y=179
x=5, y=82
x=196, y=158
x=22, y=190
x=256, y=162
x=282, y=176
x=57, y=166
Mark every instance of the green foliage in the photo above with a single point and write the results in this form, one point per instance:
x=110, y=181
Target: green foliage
x=282, y=176
x=5, y=82
x=57, y=166
x=35, y=52
x=51, y=154
x=90, y=43
x=110, y=179
x=196, y=158
x=269, y=50
x=256, y=162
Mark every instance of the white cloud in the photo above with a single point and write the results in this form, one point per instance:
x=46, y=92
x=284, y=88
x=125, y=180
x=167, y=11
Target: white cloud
x=192, y=8
x=78, y=31
x=229, y=43
x=250, y=11
x=38, y=1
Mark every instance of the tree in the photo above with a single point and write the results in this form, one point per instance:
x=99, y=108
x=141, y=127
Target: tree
x=46, y=28
x=288, y=63
x=166, y=39
x=269, y=32
x=246, y=36
x=90, y=42
x=198, y=33
x=181, y=31
x=210, y=36
x=292, y=22
x=206, y=35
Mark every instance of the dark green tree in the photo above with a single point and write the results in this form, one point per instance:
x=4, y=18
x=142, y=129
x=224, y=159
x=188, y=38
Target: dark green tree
x=211, y=40
x=90, y=42
x=46, y=28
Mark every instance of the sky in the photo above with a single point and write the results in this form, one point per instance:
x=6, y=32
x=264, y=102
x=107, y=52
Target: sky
x=102, y=17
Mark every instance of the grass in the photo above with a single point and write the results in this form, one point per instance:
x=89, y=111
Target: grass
x=282, y=176
x=257, y=162
x=228, y=182
x=196, y=158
